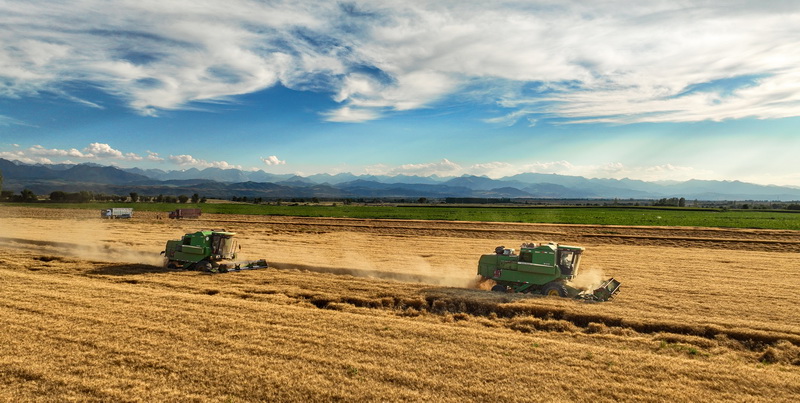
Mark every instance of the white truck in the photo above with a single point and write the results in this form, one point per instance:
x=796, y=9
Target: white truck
x=117, y=212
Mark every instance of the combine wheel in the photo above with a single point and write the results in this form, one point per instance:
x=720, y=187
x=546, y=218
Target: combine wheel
x=555, y=289
x=172, y=266
x=499, y=288
x=205, y=266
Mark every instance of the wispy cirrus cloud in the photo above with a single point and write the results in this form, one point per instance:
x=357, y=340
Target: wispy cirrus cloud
x=613, y=61
x=6, y=121
x=351, y=115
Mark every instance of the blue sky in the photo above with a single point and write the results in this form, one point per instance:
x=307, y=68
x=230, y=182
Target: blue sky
x=662, y=90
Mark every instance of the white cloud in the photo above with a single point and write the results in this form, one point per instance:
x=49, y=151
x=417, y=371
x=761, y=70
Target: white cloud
x=611, y=61
x=10, y=155
x=444, y=167
x=94, y=151
x=152, y=156
x=499, y=169
x=183, y=159
x=408, y=91
x=21, y=156
x=105, y=151
x=100, y=150
x=273, y=160
x=612, y=170
x=376, y=169
x=351, y=115
x=39, y=150
x=132, y=157
x=511, y=118
x=188, y=160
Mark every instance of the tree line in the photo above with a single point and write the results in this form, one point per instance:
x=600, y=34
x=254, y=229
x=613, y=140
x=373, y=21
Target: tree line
x=672, y=201
x=58, y=196
x=28, y=196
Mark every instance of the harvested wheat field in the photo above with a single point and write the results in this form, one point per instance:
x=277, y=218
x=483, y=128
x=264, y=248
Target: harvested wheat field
x=383, y=310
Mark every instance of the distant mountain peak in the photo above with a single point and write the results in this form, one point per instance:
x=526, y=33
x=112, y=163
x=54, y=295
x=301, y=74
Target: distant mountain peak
x=218, y=182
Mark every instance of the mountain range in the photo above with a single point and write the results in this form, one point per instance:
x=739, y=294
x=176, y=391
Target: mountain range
x=225, y=183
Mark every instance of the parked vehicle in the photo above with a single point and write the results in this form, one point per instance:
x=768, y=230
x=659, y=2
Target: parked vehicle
x=185, y=213
x=117, y=212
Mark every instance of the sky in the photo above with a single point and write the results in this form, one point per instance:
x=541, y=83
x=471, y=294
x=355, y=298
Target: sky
x=655, y=90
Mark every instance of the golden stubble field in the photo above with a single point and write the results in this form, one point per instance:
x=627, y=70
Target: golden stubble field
x=382, y=310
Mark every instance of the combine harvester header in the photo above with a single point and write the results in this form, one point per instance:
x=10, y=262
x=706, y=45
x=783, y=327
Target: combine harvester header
x=546, y=269
x=212, y=251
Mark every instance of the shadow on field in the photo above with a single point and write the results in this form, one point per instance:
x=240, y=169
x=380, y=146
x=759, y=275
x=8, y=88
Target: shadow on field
x=570, y=318
x=127, y=269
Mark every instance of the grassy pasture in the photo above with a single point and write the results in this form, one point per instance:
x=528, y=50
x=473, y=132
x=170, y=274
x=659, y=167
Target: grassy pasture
x=765, y=219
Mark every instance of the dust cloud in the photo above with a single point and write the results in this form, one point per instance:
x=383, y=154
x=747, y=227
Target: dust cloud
x=87, y=252
x=415, y=270
x=116, y=255
x=588, y=279
x=447, y=276
x=480, y=283
x=418, y=270
x=86, y=239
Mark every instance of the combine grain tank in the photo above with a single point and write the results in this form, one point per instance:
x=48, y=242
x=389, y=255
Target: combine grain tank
x=545, y=269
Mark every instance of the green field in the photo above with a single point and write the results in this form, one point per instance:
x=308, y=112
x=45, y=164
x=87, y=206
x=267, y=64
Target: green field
x=767, y=219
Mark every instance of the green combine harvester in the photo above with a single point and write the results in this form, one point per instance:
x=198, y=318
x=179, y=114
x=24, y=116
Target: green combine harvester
x=209, y=250
x=545, y=269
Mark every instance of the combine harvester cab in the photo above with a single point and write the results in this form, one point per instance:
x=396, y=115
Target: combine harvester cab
x=546, y=269
x=209, y=251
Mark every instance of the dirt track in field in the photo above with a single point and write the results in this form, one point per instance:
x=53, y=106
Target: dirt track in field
x=718, y=298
